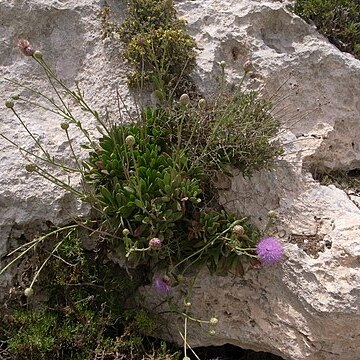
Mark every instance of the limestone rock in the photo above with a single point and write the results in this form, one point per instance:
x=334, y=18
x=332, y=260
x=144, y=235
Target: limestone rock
x=308, y=307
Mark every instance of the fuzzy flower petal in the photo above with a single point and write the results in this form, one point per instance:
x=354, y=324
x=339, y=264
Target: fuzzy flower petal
x=269, y=250
x=162, y=285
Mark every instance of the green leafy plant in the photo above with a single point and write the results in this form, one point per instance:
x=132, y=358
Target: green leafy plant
x=338, y=20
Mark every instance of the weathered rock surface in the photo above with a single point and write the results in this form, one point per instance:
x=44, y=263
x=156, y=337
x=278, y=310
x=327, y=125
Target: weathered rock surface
x=309, y=306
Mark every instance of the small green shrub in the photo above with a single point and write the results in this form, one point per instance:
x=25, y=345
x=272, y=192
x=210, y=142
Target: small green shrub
x=156, y=44
x=338, y=20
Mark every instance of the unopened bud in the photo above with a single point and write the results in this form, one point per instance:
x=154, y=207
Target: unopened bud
x=15, y=97
x=222, y=64
x=30, y=167
x=126, y=232
x=213, y=321
x=187, y=303
x=202, y=103
x=9, y=104
x=130, y=141
x=64, y=125
x=38, y=55
x=28, y=292
x=212, y=332
x=184, y=99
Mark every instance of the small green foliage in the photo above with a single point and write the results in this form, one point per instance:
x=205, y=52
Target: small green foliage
x=156, y=44
x=338, y=20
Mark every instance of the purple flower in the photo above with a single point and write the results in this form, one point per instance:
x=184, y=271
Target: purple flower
x=162, y=285
x=269, y=250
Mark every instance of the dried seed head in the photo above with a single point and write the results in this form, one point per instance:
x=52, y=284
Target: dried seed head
x=238, y=230
x=155, y=244
x=25, y=47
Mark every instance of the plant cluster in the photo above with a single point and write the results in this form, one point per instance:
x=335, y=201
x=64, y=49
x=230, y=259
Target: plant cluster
x=156, y=44
x=338, y=20
x=150, y=183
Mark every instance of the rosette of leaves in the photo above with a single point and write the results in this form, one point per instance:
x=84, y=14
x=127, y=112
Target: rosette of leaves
x=142, y=189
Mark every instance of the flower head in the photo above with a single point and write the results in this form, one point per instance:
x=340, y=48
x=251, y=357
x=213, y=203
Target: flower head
x=155, y=244
x=162, y=285
x=269, y=250
x=25, y=47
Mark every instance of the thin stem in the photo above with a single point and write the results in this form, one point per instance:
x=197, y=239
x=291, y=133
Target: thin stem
x=30, y=133
x=34, y=243
x=46, y=260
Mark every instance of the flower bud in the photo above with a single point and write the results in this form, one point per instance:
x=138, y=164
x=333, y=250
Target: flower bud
x=184, y=99
x=238, y=230
x=30, y=167
x=212, y=332
x=202, y=103
x=130, y=141
x=186, y=358
x=64, y=125
x=126, y=232
x=38, y=55
x=9, y=104
x=187, y=303
x=28, y=292
x=15, y=97
x=155, y=244
x=222, y=64
x=213, y=321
